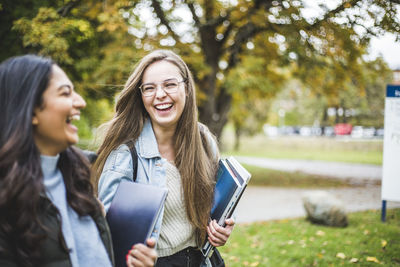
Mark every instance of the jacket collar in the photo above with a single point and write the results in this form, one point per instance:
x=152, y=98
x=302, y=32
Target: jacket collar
x=147, y=142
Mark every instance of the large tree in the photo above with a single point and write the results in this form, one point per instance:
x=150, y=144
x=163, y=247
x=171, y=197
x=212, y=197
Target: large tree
x=214, y=35
x=97, y=41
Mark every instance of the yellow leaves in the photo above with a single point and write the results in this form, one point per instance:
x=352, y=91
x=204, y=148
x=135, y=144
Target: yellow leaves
x=53, y=34
x=383, y=243
x=353, y=260
x=256, y=263
x=373, y=259
x=234, y=258
x=366, y=232
x=340, y=255
x=347, y=5
x=320, y=233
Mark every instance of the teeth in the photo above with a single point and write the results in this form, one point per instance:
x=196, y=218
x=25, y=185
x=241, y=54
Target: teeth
x=76, y=117
x=164, y=106
x=73, y=118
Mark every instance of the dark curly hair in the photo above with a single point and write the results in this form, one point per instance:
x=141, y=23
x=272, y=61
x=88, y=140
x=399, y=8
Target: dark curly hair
x=23, y=81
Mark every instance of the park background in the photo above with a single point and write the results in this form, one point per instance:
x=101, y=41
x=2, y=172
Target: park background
x=266, y=71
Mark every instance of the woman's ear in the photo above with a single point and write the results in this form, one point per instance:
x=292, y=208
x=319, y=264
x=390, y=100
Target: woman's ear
x=35, y=120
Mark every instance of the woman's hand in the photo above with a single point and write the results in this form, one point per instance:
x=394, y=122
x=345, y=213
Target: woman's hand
x=218, y=235
x=141, y=255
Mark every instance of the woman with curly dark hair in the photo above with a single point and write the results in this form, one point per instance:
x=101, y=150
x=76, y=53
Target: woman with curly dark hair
x=49, y=215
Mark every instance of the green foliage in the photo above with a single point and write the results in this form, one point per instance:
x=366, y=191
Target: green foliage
x=51, y=35
x=239, y=51
x=365, y=242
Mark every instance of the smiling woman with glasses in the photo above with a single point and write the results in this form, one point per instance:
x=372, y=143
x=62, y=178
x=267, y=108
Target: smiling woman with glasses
x=174, y=150
x=169, y=86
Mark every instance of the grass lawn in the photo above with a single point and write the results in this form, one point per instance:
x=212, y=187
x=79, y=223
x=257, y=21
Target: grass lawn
x=267, y=177
x=312, y=148
x=296, y=242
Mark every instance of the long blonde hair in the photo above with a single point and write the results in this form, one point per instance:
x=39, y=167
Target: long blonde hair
x=194, y=157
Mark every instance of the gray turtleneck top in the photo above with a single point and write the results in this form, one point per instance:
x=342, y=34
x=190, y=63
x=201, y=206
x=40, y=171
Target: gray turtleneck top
x=80, y=233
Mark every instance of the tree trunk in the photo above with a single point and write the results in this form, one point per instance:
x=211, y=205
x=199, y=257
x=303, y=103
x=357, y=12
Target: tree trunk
x=238, y=133
x=213, y=111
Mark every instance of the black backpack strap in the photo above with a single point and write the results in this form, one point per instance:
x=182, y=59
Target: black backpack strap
x=134, y=155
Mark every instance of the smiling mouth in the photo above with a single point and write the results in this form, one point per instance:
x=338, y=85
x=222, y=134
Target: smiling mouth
x=73, y=118
x=164, y=107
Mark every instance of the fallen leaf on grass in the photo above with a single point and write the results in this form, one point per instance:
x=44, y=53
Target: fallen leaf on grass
x=383, y=243
x=320, y=233
x=372, y=259
x=366, y=232
x=254, y=264
x=353, y=260
x=234, y=258
x=340, y=255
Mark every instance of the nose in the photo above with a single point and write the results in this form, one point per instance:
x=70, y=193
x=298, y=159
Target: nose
x=78, y=101
x=160, y=91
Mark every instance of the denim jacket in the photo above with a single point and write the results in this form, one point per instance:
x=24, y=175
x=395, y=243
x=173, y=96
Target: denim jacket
x=151, y=170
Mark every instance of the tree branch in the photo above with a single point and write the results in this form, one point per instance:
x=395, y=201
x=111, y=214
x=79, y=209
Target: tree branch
x=244, y=33
x=161, y=15
x=333, y=12
x=64, y=11
x=194, y=15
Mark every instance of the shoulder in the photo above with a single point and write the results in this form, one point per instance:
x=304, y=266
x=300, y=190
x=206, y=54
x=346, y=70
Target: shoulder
x=119, y=159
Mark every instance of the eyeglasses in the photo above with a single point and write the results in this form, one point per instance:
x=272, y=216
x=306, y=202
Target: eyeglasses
x=169, y=86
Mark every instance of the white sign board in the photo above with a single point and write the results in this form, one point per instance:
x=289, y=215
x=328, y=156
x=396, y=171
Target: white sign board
x=391, y=145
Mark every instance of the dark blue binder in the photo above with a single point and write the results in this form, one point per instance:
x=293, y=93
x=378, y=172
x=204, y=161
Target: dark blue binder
x=232, y=180
x=132, y=216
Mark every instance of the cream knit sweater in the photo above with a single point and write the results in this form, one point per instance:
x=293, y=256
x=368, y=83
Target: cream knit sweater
x=176, y=231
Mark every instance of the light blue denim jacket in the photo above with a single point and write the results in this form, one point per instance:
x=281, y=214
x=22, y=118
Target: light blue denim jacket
x=151, y=170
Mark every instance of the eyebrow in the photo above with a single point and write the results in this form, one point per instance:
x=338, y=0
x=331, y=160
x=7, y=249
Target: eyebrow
x=65, y=85
x=162, y=81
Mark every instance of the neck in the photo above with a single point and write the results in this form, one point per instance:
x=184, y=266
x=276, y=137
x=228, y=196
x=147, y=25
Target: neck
x=165, y=142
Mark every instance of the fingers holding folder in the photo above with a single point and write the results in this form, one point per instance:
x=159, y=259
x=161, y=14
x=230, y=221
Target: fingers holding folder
x=141, y=255
x=218, y=235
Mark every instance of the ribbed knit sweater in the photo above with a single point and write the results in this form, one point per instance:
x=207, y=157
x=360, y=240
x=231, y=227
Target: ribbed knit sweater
x=176, y=231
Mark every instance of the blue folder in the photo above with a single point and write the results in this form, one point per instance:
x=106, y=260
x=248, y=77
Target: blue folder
x=232, y=180
x=132, y=216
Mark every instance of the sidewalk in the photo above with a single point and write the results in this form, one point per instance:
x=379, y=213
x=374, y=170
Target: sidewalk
x=333, y=169
x=272, y=203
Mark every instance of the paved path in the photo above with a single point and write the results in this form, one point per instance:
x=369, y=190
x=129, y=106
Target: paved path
x=271, y=203
x=334, y=169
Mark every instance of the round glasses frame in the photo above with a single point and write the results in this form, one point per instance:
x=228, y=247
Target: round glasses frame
x=169, y=86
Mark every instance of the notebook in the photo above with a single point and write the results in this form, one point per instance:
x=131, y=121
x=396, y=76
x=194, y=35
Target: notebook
x=132, y=216
x=232, y=180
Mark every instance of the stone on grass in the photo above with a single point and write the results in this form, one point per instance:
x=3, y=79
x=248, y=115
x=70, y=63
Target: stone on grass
x=324, y=208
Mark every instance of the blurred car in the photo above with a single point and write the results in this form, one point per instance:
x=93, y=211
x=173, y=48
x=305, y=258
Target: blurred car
x=271, y=131
x=305, y=131
x=379, y=132
x=329, y=131
x=369, y=132
x=343, y=129
x=357, y=132
x=316, y=131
